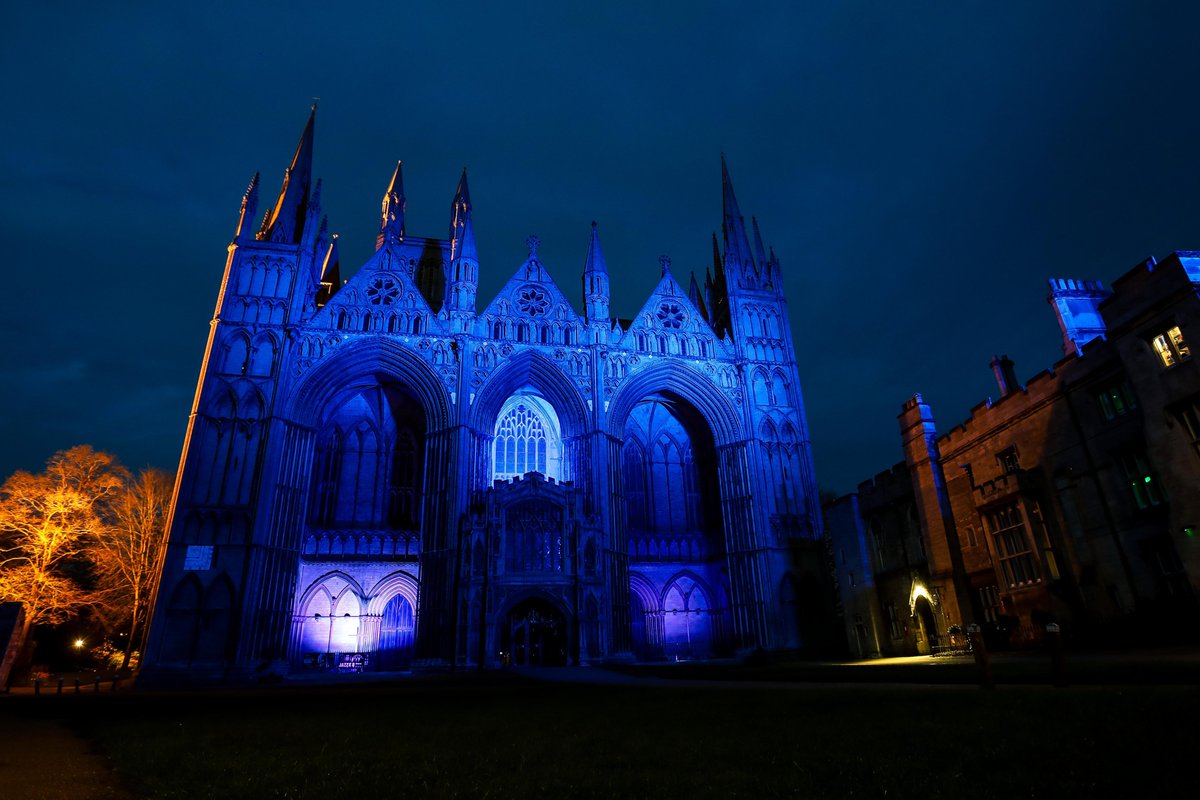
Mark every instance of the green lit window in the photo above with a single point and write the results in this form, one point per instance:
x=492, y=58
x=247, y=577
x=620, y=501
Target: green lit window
x=1117, y=401
x=1171, y=348
x=1142, y=481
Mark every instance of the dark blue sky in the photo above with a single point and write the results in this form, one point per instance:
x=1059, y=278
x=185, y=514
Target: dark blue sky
x=921, y=169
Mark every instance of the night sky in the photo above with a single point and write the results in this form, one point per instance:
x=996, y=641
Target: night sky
x=920, y=168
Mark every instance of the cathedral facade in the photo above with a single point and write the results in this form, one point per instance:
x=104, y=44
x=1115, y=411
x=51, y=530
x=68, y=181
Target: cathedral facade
x=381, y=473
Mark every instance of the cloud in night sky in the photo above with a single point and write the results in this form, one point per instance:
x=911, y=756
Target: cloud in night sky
x=921, y=169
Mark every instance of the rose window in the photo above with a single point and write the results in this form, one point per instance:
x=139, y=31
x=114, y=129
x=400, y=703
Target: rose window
x=533, y=301
x=671, y=315
x=382, y=291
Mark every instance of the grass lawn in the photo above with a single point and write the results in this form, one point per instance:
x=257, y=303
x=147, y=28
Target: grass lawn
x=505, y=736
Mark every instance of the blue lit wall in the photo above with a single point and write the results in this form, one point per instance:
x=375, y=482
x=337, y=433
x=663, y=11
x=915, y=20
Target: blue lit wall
x=338, y=502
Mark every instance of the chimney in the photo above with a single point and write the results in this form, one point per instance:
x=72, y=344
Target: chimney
x=1006, y=375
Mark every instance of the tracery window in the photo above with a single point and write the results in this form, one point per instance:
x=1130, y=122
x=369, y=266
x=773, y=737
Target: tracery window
x=670, y=315
x=526, y=440
x=533, y=301
x=1008, y=530
x=535, y=538
x=382, y=290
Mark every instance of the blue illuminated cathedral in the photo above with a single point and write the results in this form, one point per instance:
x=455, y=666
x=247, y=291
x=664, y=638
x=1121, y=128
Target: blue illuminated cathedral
x=384, y=473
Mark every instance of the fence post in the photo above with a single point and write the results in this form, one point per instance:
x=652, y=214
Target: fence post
x=76, y=685
x=1058, y=662
x=981, y=657
x=37, y=687
x=97, y=687
x=115, y=678
x=60, y=683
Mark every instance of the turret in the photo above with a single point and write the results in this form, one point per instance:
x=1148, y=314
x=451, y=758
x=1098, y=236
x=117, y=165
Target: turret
x=285, y=222
x=391, y=227
x=595, y=281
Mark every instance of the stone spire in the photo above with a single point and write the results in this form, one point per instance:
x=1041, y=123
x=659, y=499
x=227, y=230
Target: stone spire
x=595, y=281
x=696, y=298
x=760, y=252
x=460, y=209
x=331, y=273
x=737, y=245
x=391, y=226
x=249, y=208
x=285, y=222
x=718, y=289
x=463, y=280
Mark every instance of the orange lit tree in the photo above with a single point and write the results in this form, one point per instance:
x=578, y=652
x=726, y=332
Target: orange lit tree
x=126, y=555
x=48, y=522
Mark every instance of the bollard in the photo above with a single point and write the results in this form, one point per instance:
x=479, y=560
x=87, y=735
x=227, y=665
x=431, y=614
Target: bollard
x=37, y=686
x=97, y=684
x=1058, y=662
x=981, y=657
x=60, y=683
x=77, y=686
x=114, y=682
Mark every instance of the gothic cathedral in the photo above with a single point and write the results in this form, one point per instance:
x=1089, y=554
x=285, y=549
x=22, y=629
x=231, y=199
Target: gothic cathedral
x=379, y=474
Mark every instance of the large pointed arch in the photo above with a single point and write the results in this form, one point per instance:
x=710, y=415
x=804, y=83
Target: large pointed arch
x=382, y=359
x=531, y=369
x=685, y=382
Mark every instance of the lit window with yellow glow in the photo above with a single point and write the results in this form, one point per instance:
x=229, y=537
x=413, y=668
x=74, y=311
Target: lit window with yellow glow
x=1171, y=348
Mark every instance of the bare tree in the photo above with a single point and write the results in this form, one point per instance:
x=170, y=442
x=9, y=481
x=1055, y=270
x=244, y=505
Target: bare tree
x=126, y=555
x=47, y=522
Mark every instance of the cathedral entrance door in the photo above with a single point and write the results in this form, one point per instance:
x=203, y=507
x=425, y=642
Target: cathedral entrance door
x=396, y=635
x=535, y=634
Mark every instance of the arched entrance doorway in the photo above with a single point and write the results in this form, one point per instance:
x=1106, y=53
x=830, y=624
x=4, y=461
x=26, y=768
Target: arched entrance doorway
x=396, y=634
x=927, y=642
x=675, y=530
x=535, y=634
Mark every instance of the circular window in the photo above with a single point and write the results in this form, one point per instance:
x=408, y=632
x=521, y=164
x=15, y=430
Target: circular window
x=671, y=315
x=382, y=291
x=533, y=301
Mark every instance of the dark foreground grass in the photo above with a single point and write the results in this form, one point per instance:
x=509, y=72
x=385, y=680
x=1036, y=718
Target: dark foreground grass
x=498, y=736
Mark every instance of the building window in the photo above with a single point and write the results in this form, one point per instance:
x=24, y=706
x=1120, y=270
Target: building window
x=1142, y=481
x=1117, y=401
x=989, y=598
x=526, y=440
x=1170, y=577
x=1171, y=348
x=877, y=541
x=1190, y=417
x=1007, y=526
x=893, y=620
x=1008, y=460
x=971, y=542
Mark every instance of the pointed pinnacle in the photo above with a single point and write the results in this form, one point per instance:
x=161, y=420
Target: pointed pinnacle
x=595, y=257
x=759, y=251
x=396, y=185
x=463, y=193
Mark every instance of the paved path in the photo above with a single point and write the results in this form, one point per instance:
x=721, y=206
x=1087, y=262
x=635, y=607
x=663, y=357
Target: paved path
x=43, y=760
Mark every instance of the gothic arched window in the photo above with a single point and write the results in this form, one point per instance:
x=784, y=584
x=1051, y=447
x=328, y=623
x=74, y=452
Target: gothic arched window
x=527, y=440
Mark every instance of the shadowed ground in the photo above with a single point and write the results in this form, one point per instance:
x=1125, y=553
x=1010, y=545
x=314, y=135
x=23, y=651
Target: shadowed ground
x=506, y=735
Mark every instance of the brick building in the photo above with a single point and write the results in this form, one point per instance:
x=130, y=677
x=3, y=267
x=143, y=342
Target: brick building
x=1074, y=498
